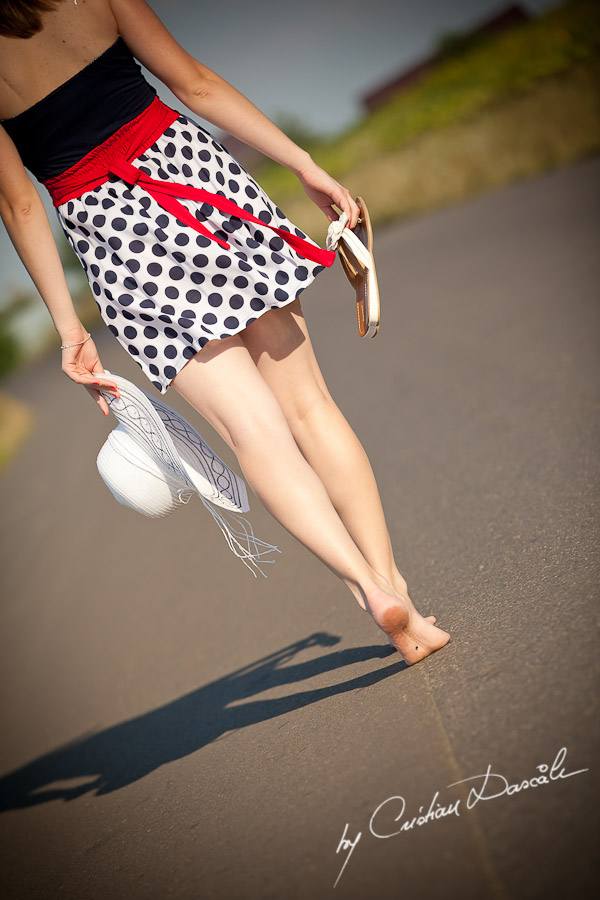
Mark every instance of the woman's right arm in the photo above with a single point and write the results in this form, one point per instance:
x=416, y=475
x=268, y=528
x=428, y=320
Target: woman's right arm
x=26, y=222
x=208, y=95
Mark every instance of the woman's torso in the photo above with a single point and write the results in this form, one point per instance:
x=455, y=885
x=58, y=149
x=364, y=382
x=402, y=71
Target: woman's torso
x=86, y=85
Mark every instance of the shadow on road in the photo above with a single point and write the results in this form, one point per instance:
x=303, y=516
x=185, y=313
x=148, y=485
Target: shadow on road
x=124, y=753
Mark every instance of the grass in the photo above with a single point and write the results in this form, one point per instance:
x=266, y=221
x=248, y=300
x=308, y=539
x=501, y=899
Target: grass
x=16, y=423
x=551, y=126
x=507, y=108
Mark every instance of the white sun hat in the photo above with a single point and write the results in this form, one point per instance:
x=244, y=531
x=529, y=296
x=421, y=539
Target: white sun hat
x=154, y=461
x=136, y=479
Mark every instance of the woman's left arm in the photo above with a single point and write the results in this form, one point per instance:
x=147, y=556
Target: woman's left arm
x=26, y=222
x=208, y=95
x=200, y=88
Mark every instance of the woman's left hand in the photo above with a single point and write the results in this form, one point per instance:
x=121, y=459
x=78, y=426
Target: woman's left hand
x=82, y=365
x=326, y=191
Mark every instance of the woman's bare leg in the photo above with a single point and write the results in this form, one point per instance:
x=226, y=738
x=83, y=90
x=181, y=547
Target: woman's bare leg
x=223, y=384
x=280, y=346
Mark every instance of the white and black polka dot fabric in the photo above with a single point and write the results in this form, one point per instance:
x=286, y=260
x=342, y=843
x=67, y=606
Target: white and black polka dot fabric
x=163, y=289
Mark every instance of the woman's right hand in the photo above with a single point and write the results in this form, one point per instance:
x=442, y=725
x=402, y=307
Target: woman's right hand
x=82, y=365
x=326, y=191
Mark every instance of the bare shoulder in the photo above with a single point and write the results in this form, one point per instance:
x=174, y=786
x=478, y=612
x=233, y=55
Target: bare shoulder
x=155, y=47
x=74, y=34
x=70, y=37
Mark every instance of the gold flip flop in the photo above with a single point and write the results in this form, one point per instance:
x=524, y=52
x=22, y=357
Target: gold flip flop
x=356, y=256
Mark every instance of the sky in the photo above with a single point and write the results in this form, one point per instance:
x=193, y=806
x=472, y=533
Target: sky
x=311, y=60
x=314, y=58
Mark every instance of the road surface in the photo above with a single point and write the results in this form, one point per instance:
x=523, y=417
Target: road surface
x=174, y=728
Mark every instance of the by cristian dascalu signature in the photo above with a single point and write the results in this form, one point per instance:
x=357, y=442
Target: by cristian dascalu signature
x=488, y=786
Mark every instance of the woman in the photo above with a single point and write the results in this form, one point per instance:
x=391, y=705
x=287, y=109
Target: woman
x=203, y=300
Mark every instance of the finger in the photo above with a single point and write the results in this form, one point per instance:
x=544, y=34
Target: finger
x=105, y=385
x=348, y=205
x=98, y=373
x=88, y=379
x=99, y=399
x=108, y=388
x=102, y=404
x=330, y=213
x=351, y=209
x=344, y=207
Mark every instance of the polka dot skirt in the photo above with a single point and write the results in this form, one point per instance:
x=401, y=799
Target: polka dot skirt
x=163, y=289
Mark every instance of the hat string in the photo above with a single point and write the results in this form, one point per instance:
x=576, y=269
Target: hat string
x=247, y=551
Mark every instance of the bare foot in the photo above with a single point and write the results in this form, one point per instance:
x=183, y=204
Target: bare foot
x=398, y=583
x=412, y=635
x=431, y=619
x=400, y=586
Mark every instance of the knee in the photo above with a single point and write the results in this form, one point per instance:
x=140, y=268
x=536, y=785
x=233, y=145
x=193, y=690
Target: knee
x=305, y=406
x=258, y=428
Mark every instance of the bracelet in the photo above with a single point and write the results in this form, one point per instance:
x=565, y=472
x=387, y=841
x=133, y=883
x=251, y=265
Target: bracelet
x=76, y=344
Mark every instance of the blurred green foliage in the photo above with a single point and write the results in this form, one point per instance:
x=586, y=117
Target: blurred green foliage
x=487, y=72
x=10, y=350
x=13, y=350
x=456, y=43
x=297, y=129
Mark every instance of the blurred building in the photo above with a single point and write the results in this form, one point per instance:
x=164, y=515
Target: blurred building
x=450, y=45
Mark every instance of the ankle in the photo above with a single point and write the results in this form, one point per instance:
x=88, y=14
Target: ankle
x=383, y=582
x=390, y=580
x=370, y=583
x=399, y=583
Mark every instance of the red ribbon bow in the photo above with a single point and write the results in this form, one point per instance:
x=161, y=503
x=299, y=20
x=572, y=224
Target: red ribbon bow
x=130, y=141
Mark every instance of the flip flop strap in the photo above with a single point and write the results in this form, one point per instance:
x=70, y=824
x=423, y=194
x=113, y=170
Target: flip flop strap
x=357, y=248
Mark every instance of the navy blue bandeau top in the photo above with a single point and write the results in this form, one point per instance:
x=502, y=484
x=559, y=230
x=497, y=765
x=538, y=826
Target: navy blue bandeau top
x=61, y=128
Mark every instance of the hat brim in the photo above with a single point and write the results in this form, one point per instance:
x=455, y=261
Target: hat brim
x=176, y=445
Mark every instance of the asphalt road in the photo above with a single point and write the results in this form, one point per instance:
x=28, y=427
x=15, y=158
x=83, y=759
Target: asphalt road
x=174, y=728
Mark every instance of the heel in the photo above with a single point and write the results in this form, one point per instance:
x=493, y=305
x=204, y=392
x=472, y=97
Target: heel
x=412, y=645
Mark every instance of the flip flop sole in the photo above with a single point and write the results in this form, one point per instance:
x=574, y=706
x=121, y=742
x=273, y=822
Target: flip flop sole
x=361, y=272
x=367, y=303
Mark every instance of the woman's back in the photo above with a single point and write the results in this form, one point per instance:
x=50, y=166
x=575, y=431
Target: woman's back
x=80, y=114
x=72, y=35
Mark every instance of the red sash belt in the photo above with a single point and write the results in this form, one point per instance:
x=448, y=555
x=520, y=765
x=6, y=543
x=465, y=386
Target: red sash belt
x=113, y=156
